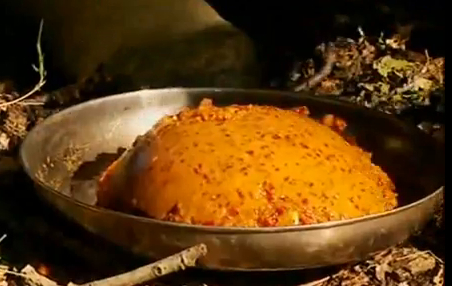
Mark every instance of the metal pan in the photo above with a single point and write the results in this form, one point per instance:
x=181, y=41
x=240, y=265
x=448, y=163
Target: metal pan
x=55, y=148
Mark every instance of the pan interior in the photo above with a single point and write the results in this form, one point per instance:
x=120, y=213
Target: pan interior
x=78, y=143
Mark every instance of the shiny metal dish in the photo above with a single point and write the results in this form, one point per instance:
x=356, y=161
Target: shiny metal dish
x=55, y=148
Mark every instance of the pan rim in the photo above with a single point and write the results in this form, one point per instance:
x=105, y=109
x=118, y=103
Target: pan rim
x=217, y=229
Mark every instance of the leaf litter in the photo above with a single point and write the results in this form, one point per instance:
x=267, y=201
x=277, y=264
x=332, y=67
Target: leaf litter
x=379, y=73
x=396, y=266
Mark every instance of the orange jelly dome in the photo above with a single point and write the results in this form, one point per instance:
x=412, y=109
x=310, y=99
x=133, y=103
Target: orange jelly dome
x=248, y=166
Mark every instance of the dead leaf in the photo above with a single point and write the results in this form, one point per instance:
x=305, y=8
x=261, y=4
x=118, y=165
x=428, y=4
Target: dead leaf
x=421, y=264
x=387, y=65
x=422, y=83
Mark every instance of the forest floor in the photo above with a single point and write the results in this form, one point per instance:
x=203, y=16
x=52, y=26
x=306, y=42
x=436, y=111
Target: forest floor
x=377, y=73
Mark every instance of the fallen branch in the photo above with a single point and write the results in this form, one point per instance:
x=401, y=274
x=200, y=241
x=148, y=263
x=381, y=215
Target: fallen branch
x=325, y=71
x=173, y=263
x=177, y=262
x=40, y=69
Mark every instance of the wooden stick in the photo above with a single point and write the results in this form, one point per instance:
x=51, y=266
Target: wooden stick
x=171, y=264
x=174, y=263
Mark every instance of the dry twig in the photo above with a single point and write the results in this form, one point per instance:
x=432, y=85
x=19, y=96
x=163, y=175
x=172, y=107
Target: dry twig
x=323, y=73
x=40, y=69
x=174, y=263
